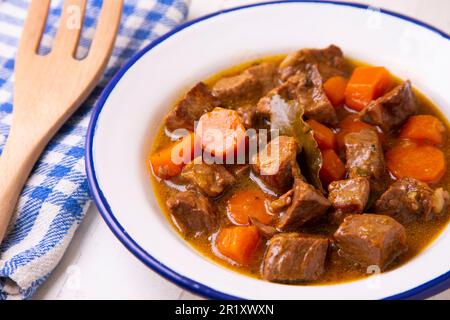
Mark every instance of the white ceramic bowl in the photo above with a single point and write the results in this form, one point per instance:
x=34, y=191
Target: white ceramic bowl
x=137, y=99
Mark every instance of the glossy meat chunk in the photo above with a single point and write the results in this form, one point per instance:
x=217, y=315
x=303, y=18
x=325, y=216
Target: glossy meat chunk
x=243, y=85
x=248, y=115
x=310, y=93
x=194, y=214
x=196, y=102
x=286, y=91
x=307, y=204
x=306, y=87
x=364, y=154
x=392, y=109
x=266, y=73
x=265, y=230
x=210, y=179
x=371, y=240
x=276, y=162
x=282, y=202
x=330, y=62
x=348, y=197
x=409, y=199
x=251, y=83
x=293, y=257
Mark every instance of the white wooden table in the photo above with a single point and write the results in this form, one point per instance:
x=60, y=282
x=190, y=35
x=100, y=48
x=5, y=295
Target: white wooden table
x=97, y=266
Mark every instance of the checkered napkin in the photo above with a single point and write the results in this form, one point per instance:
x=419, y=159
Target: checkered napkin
x=56, y=196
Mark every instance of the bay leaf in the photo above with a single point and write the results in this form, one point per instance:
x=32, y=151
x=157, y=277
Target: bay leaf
x=287, y=117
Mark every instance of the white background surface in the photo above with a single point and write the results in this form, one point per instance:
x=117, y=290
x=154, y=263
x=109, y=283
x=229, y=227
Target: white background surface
x=97, y=266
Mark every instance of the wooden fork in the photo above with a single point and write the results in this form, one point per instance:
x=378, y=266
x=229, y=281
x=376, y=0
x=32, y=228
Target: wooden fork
x=48, y=89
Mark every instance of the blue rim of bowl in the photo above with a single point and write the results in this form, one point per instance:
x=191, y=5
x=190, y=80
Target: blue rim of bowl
x=423, y=291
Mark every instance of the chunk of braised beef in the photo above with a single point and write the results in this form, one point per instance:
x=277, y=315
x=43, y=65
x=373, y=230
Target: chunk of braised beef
x=263, y=107
x=364, y=154
x=265, y=230
x=275, y=163
x=306, y=87
x=249, y=84
x=348, y=197
x=193, y=213
x=392, y=109
x=286, y=90
x=266, y=73
x=196, y=102
x=330, y=62
x=282, y=202
x=307, y=205
x=241, y=86
x=210, y=179
x=310, y=93
x=371, y=239
x=248, y=115
x=409, y=199
x=294, y=257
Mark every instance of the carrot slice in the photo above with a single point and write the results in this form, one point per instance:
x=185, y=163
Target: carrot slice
x=169, y=162
x=248, y=203
x=421, y=161
x=221, y=132
x=365, y=85
x=335, y=90
x=424, y=128
x=323, y=135
x=238, y=243
x=350, y=124
x=332, y=167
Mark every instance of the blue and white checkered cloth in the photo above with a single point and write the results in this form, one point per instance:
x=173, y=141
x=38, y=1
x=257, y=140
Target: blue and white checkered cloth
x=56, y=196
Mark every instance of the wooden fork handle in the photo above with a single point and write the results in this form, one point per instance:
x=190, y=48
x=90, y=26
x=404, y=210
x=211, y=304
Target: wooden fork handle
x=48, y=89
x=20, y=153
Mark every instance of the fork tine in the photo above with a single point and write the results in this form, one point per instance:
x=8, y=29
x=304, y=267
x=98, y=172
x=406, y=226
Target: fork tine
x=34, y=27
x=71, y=23
x=105, y=34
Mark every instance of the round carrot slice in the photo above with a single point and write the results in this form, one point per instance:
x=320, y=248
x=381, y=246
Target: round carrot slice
x=221, y=132
x=421, y=161
x=424, y=128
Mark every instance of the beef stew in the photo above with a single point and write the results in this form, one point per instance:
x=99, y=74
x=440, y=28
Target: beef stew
x=352, y=174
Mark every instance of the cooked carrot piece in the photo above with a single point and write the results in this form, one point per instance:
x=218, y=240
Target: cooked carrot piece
x=332, y=167
x=221, y=132
x=323, y=135
x=248, y=203
x=421, y=161
x=238, y=243
x=424, y=128
x=335, y=90
x=350, y=124
x=365, y=85
x=169, y=162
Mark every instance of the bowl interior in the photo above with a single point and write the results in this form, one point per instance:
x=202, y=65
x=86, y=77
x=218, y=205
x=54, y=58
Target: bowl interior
x=135, y=107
